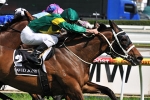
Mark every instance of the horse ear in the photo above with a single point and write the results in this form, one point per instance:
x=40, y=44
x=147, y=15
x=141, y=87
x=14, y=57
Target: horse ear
x=114, y=26
x=110, y=23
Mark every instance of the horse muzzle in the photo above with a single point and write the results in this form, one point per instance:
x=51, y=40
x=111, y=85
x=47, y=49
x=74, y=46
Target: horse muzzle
x=134, y=60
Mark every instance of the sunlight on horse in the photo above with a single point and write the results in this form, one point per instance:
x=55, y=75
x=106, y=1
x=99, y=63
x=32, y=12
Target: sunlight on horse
x=68, y=70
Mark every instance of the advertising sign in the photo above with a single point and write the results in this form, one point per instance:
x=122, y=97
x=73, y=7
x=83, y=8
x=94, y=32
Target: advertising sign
x=111, y=75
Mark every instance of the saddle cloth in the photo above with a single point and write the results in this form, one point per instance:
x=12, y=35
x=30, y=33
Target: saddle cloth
x=20, y=61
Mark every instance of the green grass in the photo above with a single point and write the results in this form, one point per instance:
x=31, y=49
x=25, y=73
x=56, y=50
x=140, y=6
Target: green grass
x=25, y=96
x=142, y=45
x=18, y=96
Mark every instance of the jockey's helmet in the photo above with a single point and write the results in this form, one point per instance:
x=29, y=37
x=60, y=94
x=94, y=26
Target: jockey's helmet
x=70, y=15
x=51, y=8
x=19, y=12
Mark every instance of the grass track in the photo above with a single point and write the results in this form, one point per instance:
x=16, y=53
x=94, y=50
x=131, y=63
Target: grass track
x=25, y=96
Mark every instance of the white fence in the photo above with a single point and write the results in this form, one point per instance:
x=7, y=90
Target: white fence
x=131, y=27
x=132, y=87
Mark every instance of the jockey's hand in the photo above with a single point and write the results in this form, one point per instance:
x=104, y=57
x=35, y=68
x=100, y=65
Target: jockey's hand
x=96, y=25
x=93, y=31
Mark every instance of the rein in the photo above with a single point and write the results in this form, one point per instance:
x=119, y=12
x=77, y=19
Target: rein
x=87, y=36
x=74, y=53
x=14, y=29
x=110, y=45
x=77, y=56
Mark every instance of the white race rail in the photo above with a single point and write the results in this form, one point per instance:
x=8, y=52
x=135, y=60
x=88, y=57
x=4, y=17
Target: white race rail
x=131, y=27
x=145, y=61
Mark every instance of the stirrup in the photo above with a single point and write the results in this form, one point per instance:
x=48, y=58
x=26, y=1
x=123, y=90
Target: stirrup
x=34, y=60
x=41, y=61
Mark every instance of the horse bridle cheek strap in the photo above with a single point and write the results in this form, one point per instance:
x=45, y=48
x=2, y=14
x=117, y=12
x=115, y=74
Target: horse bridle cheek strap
x=125, y=52
x=110, y=45
x=14, y=29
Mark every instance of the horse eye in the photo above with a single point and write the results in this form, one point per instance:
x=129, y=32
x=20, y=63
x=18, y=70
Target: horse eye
x=124, y=40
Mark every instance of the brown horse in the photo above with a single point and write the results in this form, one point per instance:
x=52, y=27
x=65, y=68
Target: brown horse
x=12, y=33
x=68, y=69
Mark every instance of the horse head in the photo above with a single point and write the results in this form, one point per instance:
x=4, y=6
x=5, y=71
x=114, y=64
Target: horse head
x=122, y=46
x=111, y=40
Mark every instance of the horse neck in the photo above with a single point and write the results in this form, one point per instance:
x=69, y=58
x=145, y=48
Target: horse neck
x=84, y=48
x=89, y=49
x=11, y=37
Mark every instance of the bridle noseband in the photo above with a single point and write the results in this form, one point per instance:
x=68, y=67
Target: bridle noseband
x=112, y=52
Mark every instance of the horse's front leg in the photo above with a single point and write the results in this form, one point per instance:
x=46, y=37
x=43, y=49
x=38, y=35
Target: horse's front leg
x=74, y=93
x=90, y=87
x=59, y=97
x=36, y=97
x=72, y=89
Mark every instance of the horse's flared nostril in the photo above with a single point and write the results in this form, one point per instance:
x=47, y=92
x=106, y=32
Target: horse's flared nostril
x=140, y=58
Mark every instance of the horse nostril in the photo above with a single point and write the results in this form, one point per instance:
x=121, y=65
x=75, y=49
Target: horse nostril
x=140, y=58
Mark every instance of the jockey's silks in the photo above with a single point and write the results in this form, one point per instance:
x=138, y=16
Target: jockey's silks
x=51, y=24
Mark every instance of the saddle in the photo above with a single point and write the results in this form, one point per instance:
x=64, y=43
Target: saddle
x=21, y=55
x=22, y=66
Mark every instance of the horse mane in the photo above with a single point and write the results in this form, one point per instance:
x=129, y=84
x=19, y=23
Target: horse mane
x=72, y=38
x=102, y=27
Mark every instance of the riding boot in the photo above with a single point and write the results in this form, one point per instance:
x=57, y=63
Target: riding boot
x=33, y=57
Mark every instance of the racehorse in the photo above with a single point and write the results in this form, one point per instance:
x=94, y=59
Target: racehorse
x=68, y=69
x=12, y=33
x=97, y=87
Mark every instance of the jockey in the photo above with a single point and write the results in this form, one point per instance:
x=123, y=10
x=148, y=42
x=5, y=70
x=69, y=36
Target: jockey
x=42, y=31
x=52, y=8
x=19, y=12
x=56, y=9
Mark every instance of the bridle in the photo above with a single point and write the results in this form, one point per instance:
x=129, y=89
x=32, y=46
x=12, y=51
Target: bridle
x=112, y=52
x=14, y=29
